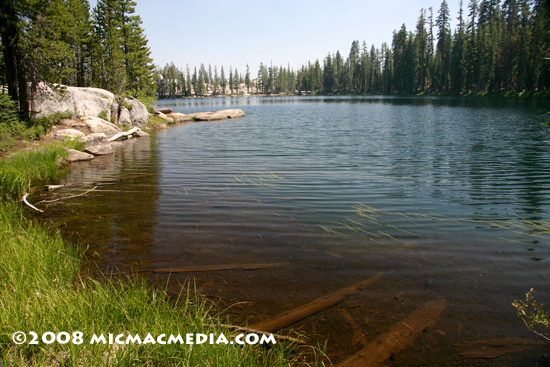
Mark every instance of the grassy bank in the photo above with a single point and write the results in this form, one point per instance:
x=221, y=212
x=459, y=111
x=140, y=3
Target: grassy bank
x=42, y=290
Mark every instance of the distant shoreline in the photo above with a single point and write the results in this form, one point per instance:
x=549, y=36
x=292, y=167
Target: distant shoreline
x=544, y=94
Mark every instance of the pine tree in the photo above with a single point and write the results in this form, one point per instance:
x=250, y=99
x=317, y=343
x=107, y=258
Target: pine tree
x=216, y=81
x=523, y=40
x=247, y=80
x=399, y=46
x=230, y=81
x=328, y=75
x=339, y=72
x=189, y=82
x=458, y=57
x=223, y=81
x=422, y=48
x=472, y=63
x=136, y=54
x=108, y=70
x=443, y=50
x=13, y=53
x=236, y=81
x=121, y=58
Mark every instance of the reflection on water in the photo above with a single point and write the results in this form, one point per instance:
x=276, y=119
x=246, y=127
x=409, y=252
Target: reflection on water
x=447, y=197
x=117, y=219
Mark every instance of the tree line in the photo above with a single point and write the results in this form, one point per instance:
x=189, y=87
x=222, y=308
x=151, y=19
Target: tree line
x=66, y=42
x=495, y=47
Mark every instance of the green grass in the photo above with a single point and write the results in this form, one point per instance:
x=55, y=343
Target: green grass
x=155, y=122
x=22, y=167
x=42, y=290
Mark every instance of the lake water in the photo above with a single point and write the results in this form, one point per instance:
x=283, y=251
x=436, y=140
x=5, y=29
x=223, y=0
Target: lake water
x=445, y=197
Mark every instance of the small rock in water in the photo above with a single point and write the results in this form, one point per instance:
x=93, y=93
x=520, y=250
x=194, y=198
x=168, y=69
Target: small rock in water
x=75, y=156
x=97, y=144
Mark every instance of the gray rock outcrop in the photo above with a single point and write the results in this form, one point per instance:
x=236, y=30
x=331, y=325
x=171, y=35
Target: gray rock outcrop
x=179, y=117
x=68, y=133
x=141, y=134
x=98, y=125
x=216, y=116
x=97, y=144
x=88, y=102
x=79, y=101
x=232, y=113
x=132, y=112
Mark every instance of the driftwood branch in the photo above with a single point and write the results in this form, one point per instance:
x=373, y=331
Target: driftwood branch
x=123, y=134
x=399, y=337
x=249, y=330
x=290, y=317
x=192, y=269
x=24, y=199
x=98, y=182
x=66, y=197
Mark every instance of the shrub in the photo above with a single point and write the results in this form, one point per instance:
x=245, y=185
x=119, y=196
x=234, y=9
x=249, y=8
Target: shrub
x=10, y=125
x=104, y=114
x=149, y=102
x=45, y=123
x=532, y=313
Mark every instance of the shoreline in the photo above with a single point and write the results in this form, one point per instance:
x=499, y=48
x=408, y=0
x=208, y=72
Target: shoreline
x=56, y=296
x=544, y=94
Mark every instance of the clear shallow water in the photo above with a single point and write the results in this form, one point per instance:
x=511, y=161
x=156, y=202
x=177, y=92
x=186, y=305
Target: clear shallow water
x=448, y=197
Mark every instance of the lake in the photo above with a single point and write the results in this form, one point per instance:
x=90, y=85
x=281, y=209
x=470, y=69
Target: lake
x=444, y=197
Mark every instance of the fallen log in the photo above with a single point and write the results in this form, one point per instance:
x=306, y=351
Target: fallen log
x=290, y=317
x=399, y=337
x=123, y=134
x=192, y=269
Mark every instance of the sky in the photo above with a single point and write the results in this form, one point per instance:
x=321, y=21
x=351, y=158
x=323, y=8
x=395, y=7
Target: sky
x=282, y=32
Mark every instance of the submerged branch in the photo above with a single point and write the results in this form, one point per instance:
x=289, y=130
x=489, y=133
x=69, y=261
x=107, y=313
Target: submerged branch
x=99, y=182
x=249, y=330
x=66, y=197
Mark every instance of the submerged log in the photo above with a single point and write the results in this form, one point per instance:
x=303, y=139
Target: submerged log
x=290, y=317
x=493, y=348
x=192, y=269
x=399, y=337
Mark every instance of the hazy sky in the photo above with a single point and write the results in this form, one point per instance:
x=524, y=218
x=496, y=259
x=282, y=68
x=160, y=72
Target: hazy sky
x=236, y=32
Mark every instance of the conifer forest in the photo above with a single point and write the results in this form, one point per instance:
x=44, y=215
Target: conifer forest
x=495, y=46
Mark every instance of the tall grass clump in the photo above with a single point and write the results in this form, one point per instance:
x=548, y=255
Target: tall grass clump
x=42, y=290
x=22, y=167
